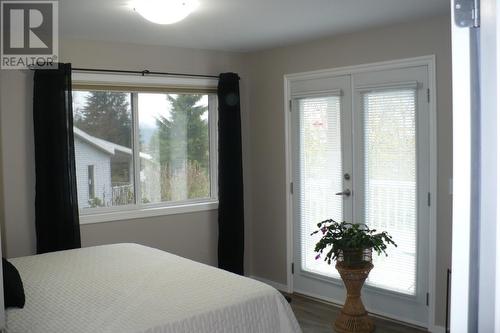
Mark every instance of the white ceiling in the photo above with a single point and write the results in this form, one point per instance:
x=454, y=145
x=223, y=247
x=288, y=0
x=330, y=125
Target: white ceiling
x=240, y=25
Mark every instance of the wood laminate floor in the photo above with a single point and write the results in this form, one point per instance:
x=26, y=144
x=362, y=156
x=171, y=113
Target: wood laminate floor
x=317, y=317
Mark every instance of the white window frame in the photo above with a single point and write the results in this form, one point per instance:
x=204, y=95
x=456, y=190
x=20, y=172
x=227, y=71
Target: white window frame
x=142, y=210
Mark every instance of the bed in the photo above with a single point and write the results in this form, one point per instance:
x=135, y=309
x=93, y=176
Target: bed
x=133, y=288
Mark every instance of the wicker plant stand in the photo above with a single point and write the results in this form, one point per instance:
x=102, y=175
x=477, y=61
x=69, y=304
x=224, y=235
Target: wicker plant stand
x=353, y=317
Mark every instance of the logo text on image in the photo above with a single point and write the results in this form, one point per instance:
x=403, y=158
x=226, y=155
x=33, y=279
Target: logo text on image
x=30, y=34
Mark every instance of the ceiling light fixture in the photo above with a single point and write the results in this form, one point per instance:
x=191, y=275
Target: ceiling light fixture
x=165, y=11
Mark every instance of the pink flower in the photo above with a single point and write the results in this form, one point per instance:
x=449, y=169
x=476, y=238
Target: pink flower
x=324, y=230
x=318, y=256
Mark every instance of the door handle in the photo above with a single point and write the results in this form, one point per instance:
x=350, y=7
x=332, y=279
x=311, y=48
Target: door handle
x=346, y=192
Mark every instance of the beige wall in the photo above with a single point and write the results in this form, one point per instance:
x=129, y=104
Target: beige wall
x=267, y=128
x=170, y=233
x=18, y=162
x=193, y=236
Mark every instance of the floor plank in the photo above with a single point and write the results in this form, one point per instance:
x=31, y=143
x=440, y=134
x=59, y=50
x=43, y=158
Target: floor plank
x=317, y=317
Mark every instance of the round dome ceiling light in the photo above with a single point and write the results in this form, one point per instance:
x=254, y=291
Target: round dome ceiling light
x=165, y=11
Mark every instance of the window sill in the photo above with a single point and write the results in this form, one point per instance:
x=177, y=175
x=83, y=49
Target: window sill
x=140, y=213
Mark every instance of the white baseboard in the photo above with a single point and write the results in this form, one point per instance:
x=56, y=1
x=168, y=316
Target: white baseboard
x=437, y=329
x=276, y=285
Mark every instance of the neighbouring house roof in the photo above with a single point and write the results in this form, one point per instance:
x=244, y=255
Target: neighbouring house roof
x=106, y=146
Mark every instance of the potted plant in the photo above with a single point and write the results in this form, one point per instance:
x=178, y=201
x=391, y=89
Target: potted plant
x=351, y=246
x=350, y=243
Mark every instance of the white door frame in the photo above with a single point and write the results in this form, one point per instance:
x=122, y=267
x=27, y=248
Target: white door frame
x=488, y=318
x=475, y=292
x=428, y=61
x=464, y=115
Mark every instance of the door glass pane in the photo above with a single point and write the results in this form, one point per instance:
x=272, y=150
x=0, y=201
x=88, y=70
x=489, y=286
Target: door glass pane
x=320, y=174
x=174, y=146
x=103, y=148
x=390, y=184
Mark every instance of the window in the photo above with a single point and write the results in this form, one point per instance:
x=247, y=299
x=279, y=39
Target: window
x=391, y=183
x=321, y=168
x=140, y=149
x=90, y=174
x=174, y=143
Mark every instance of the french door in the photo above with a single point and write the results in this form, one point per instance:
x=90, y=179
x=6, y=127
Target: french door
x=360, y=146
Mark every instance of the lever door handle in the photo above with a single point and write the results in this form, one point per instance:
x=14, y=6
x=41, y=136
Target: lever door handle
x=346, y=192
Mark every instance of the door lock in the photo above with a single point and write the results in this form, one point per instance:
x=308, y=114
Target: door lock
x=346, y=192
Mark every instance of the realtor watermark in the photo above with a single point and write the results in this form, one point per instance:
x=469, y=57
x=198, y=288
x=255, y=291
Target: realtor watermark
x=30, y=34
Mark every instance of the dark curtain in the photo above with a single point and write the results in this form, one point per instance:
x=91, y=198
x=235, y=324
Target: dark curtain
x=56, y=203
x=231, y=221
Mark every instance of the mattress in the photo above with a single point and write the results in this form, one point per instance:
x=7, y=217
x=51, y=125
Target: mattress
x=132, y=288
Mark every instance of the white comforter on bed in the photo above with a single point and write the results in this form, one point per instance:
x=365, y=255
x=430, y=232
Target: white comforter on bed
x=132, y=288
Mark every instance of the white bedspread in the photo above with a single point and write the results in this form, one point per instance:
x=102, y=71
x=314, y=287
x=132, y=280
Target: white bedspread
x=132, y=288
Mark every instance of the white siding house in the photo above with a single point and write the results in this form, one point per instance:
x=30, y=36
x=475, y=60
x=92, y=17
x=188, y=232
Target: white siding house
x=87, y=155
x=95, y=159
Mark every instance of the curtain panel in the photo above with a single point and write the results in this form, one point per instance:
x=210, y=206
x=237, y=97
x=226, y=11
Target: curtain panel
x=56, y=203
x=231, y=219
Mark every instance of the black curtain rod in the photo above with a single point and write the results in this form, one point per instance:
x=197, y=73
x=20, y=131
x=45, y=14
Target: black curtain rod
x=143, y=73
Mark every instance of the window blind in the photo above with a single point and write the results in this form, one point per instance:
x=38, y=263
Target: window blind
x=390, y=183
x=320, y=174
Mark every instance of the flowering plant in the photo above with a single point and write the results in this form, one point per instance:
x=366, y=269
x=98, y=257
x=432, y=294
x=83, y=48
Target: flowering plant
x=349, y=237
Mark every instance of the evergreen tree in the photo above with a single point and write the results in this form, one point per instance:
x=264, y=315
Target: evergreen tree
x=107, y=115
x=185, y=133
